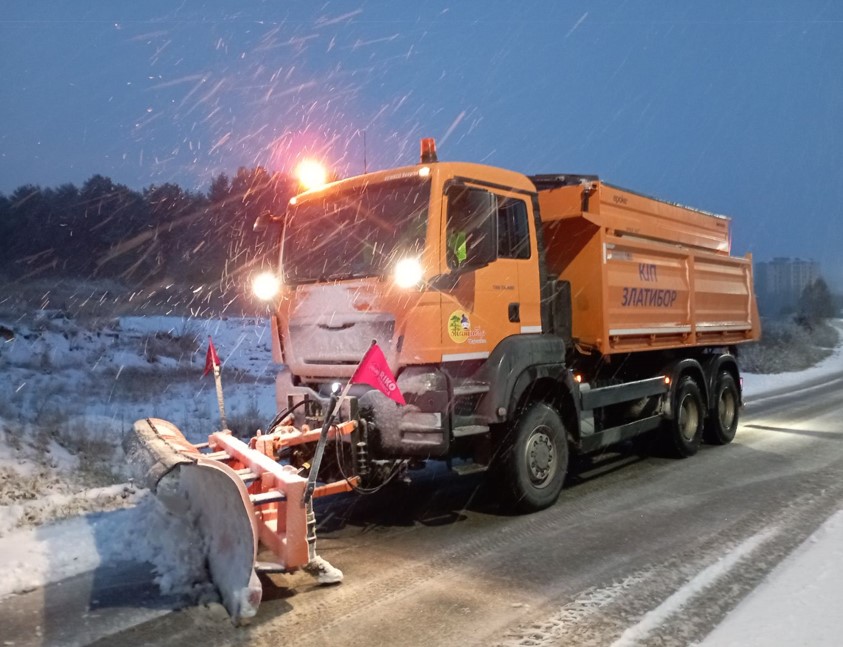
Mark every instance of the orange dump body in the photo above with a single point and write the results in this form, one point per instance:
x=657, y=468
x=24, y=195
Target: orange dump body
x=646, y=274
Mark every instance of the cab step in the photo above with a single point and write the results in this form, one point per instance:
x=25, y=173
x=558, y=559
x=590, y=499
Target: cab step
x=469, y=468
x=469, y=430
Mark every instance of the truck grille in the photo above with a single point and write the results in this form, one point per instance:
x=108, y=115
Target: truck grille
x=329, y=344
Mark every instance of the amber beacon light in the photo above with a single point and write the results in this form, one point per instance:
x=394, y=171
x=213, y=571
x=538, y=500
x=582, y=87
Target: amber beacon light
x=428, y=150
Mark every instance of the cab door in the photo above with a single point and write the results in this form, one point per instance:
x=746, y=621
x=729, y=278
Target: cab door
x=490, y=263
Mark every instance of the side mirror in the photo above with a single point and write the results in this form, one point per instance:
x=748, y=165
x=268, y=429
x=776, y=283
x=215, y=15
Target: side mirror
x=267, y=220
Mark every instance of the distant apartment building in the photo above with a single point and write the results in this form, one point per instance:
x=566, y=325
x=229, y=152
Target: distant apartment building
x=779, y=282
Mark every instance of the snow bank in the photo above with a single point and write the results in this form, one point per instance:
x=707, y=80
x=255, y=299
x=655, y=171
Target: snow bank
x=75, y=392
x=144, y=533
x=756, y=384
x=799, y=601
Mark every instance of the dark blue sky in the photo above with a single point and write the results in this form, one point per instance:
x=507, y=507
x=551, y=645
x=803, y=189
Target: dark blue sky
x=733, y=107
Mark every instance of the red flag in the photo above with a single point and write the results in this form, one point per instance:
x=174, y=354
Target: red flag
x=211, y=359
x=374, y=371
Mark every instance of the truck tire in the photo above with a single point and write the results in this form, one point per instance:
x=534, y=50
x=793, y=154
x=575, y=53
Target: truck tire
x=722, y=421
x=684, y=431
x=535, y=460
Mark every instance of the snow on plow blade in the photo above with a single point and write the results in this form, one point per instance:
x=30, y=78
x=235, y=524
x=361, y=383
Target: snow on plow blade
x=240, y=496
x=226, y=520
x=189, y=483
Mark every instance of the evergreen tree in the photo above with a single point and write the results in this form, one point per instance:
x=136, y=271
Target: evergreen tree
x=815, y=304
x=31, y=249
x=235, y=205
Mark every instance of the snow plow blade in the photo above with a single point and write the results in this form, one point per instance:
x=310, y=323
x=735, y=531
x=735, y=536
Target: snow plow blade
x=186, y=482
x=241, y=498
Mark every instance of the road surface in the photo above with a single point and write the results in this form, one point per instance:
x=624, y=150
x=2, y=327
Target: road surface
x=638, y=550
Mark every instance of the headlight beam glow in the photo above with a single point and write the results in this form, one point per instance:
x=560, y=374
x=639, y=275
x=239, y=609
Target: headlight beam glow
x=408, y=273
x=266, y=286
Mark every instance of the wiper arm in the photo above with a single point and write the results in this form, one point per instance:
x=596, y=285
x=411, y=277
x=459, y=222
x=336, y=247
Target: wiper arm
x=341, y=276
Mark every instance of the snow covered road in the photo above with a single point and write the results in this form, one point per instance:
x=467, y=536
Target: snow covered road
x=638, y=551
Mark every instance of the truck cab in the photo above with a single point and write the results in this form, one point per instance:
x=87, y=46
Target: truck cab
x=438, y=263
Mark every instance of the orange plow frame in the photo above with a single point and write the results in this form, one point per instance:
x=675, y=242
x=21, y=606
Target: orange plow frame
x=277, y=491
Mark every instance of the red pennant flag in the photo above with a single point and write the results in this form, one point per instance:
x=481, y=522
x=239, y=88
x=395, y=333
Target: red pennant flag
x=374, y=371
x=211, y=359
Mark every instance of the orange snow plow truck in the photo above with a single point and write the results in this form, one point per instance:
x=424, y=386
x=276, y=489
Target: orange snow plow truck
x=525, y=319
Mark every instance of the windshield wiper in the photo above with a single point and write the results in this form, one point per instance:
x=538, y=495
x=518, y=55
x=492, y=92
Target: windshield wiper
x=344, y=276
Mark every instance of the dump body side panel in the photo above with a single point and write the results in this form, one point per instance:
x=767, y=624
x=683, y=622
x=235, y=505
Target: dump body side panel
x=646, y=274
x=664, y=297
x=628, y=212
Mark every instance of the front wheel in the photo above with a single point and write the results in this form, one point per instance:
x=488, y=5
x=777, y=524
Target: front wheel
x=722, y=422
x=535, y=460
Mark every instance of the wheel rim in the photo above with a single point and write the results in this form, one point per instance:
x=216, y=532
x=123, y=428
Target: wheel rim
x=726, y=409
x=689, y=418
x=540, y=457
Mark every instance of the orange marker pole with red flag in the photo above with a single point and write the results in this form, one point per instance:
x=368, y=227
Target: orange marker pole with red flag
x=374, y=371
x=212, y=362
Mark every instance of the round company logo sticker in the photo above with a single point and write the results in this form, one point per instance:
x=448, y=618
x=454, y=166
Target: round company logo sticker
x=459, y=326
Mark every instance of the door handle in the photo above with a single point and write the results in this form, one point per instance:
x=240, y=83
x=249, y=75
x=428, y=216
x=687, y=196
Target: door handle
x=515, y=312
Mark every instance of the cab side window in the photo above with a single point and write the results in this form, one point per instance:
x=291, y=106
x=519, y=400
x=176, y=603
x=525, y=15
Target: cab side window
x=470, y=227
x=513, y=230
x=482, y=226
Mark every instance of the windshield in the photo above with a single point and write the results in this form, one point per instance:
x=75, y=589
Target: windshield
x=357, y=232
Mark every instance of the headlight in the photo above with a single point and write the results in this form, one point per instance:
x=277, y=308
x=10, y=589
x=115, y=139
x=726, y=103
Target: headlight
x=408, y=273
x=266, y=286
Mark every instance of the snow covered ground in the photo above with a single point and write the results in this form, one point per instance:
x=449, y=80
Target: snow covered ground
x=66, y=505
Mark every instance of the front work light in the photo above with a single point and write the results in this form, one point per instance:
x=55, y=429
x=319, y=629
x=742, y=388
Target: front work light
x=266, y=286
x=408, y=273
x=311, y=174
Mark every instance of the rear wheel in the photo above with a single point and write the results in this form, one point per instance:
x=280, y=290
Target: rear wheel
x=535, y=460
x=684, y=431
x=722, y=422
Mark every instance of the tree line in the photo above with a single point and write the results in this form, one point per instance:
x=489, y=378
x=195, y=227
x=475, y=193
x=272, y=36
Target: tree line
x=162, y=233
